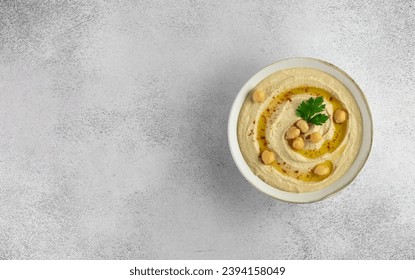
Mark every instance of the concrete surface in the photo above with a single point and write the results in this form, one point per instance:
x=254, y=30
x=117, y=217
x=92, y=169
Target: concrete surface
x=113, y=129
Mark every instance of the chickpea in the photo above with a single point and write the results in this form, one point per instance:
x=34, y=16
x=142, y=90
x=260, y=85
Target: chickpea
x=267, y=157
x=321, y=170
x=258, y=96
x=298, y=143
x=315, y=137
x=292, y=132
x=339, y=116
x=302, y=125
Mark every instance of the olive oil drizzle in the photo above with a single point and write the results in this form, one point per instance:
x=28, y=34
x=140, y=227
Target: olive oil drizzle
x=328, y=146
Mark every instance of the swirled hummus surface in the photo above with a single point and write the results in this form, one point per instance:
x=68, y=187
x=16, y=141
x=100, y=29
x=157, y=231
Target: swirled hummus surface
x=263, y=126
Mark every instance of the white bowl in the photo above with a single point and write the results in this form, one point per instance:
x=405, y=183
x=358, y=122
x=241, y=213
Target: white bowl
x=357, y=165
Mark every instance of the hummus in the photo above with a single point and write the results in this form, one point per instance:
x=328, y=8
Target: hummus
x=263, y=125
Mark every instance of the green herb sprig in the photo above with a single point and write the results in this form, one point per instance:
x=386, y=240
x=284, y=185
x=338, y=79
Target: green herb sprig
x=310, y=111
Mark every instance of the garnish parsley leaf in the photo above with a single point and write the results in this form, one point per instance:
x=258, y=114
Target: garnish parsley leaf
x=319, y=119
x=307, y=110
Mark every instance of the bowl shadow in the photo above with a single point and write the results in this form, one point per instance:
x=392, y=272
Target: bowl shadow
x=222, y=180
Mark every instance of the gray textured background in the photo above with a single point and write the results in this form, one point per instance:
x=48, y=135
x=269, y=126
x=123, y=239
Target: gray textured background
x=113, y=129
